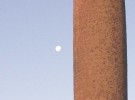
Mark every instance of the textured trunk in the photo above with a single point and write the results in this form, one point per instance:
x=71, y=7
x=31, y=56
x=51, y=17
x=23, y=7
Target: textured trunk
x=100, y=56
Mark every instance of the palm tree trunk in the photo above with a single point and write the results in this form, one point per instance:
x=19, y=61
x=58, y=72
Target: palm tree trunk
x=100, y=51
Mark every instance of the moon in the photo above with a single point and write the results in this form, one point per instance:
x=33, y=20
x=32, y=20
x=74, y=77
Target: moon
x=58, y=48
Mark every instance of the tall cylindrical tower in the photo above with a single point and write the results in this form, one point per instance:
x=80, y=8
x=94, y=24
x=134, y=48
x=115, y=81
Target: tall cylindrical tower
x=100, y=55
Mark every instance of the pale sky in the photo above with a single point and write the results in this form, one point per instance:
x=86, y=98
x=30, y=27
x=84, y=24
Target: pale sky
x=31, y=68
x=130, y=15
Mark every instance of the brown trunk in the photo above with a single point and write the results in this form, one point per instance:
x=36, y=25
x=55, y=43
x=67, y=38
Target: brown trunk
x=100, y=56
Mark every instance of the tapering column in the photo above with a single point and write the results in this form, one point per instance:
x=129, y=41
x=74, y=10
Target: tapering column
x=100, y=56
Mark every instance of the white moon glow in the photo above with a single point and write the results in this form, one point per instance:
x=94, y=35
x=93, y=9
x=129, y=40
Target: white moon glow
x=58, y=48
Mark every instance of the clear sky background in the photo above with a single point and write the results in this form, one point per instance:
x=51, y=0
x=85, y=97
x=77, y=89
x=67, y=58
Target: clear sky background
x=130, y=15
x=30, y=68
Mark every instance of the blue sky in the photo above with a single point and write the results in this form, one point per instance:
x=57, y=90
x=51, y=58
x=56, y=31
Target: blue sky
x=130, y=17
x=30, y=68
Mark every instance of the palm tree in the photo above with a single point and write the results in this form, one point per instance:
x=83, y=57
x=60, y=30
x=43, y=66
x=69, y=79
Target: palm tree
x=100, y=51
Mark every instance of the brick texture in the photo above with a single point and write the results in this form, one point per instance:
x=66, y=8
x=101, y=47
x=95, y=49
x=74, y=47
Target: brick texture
x=100, y=55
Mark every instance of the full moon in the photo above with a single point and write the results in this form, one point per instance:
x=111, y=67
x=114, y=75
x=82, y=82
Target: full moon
x=58, y=48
